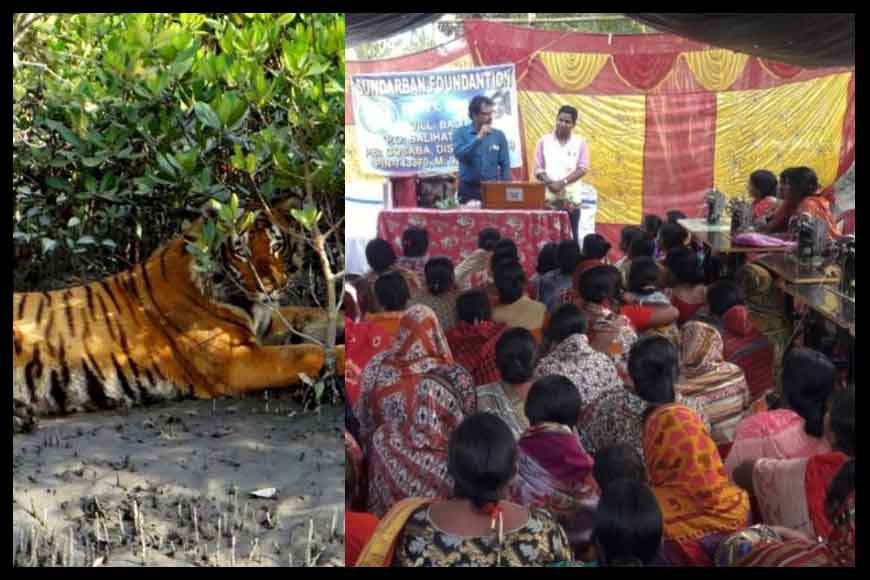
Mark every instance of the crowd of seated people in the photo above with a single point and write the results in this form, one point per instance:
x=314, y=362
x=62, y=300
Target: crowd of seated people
x=638, y=414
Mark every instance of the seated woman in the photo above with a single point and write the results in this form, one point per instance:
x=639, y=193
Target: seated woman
x=554, y=472
x=515, y=308
x=608, y=331
x=686, y=280
x=717, y=386
x=744, y=345
x=799, y=187
x=505, y=252
x=569, y=355
x=795, y=429
x=628, y=525
x=626, y=237
x=547, y=262
x=618, y=461
x=472, y=271
x=415, y=244
x=552, y=283
x=791, y=492
x=382, y=260
x=516, y=353
x=412, y=374
x=762, y=187
x=595, y=250
x=651, y=224
x=766, y=308
x=473, y=338
x=440, y=292
x=476, y=526
x=393, y=296
x=648, y=308
x=617, y=415
x=699, y=505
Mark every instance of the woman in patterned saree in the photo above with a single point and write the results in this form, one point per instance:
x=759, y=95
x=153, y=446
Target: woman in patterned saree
x=699, y=505
x=406, y=391
x=719, y=387
x=476, y=526
x=473, y=338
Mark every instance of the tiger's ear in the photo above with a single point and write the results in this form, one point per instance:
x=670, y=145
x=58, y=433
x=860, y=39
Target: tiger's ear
x=281, y=210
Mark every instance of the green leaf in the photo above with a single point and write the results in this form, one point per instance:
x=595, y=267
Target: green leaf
x=73, y=222
x=206, y=115
x=251, y=163
x=109, y=243
x=48, y=245
x=58, y=183
x=86, y=241
x=92, y=161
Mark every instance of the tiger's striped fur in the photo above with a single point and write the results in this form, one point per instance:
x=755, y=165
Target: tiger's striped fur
x=161, y=331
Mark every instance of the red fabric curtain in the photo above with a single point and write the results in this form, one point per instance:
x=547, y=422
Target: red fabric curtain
x=644, y=71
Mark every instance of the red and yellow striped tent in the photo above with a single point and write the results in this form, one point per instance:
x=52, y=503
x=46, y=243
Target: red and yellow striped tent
x=666, y=118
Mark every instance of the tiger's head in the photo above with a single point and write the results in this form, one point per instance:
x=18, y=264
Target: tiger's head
x=252, y=264
x=255, y=262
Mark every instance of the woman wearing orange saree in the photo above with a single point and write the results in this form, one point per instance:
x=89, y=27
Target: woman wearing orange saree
x=699, y=505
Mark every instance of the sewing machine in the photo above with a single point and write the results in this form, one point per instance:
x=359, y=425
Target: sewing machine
x=812, y=238
x=843, y=253
x=741, y=215
x=715, y=203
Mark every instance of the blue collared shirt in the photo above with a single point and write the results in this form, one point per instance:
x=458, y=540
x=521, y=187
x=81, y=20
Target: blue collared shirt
x=486, y=159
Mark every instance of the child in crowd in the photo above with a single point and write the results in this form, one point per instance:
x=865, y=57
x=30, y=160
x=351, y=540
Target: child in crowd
x=415, y=243
x=472, y=271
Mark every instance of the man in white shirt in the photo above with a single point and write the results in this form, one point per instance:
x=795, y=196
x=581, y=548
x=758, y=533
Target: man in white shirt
x=561, y=161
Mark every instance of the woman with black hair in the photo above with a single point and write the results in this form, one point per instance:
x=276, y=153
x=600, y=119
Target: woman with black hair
x=472, y=272
x=646, y=306
x=618, y=414
x=440, y=292
x=391, y=290
x=608, y=331
x=761, y=187
x=473, y=338
x=651, y=224
x=514, y=307
x=552, y=283
x=477, y=526
x=554, y=472
x=415, y=244
x=595, y=250
x=516, y=353
x=569, y=355
x=791, y=492
x=626, y=237
x=628, y=525
x=382, y=260
x=800, y=189
x=837, y=545
x=548, y=261
x=686, y=276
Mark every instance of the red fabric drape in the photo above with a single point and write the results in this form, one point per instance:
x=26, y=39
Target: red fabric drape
x=678, y=155
x=781, y=69
x=644, y=71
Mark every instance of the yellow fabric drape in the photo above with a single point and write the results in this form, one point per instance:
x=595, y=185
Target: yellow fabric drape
x=573, y=71
x=464, y=61
x=716, y=70
x=354, y=173
x=788, y=126
x=613, y=126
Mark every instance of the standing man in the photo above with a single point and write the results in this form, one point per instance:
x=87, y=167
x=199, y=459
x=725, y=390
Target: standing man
x=482, y=151
x=561, y=161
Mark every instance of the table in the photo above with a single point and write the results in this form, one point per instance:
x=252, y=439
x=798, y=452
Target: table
x=787, y=267
x=827, y=301
x=453, y=233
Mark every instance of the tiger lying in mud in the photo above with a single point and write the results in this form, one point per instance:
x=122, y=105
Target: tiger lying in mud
x=161, y=331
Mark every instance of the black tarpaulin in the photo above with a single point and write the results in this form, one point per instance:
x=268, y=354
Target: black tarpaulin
x=369, y=27
x=804, y=39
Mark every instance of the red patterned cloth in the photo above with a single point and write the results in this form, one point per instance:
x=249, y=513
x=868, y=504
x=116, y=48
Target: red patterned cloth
x=453, y=233
x=363, y=341
x=473, y=347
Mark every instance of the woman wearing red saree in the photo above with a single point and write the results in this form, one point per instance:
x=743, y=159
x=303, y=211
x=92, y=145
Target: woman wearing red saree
x=801, y=194
x=474, y=336
x=417, y=373
x=699, y=505
x=762, y=189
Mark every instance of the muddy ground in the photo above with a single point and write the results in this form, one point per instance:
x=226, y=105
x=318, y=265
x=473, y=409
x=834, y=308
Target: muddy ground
x=170, y=485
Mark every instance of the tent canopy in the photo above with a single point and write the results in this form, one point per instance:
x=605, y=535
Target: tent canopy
x=371, y=26
x=808, y=39
x=804, y=39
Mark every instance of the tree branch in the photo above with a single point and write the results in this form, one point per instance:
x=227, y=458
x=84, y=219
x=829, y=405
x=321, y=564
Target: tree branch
x=23, y=24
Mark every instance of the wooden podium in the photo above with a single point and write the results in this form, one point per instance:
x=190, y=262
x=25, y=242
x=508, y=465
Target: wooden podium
x=513, y=195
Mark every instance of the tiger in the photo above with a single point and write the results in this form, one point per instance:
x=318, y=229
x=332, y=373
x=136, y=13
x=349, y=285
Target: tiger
x=166, y=330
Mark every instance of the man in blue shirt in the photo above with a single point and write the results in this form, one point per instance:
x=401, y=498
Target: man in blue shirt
x=482, y=151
